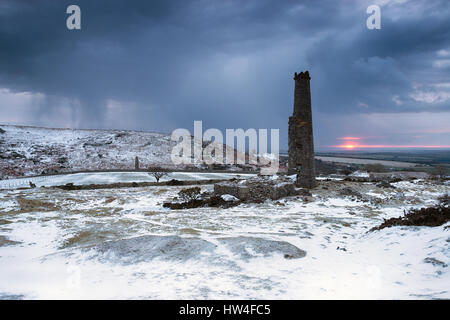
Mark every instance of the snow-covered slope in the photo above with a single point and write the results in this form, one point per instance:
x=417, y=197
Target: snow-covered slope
x=26, y=151
x=59, y=244
x=32, y=150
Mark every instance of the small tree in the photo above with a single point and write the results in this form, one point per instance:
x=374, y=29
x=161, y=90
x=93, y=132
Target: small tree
x=157, y=172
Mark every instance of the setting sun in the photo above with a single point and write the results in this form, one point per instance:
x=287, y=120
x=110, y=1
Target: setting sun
x=352, y=144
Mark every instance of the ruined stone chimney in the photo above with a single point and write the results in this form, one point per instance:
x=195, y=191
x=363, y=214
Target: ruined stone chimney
x=136, y=163
x=301, y=142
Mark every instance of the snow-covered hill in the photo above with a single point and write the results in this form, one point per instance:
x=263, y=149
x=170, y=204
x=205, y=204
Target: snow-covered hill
x=26, y=151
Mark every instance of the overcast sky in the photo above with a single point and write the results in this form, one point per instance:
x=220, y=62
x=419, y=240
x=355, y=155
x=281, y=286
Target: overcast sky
x=160, y=65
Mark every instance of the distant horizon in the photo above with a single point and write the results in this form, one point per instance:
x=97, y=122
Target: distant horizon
x=282, y=150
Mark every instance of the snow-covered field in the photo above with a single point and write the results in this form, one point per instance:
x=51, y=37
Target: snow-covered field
x=388, y=163
x=29, y=151
x=113, y=177
x=34, y=151
x=69, y=244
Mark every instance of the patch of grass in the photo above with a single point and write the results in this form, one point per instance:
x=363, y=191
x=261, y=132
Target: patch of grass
x=95, y=212
x=160, y=191
x=79, y=238
x=4, y=221
x=151, y=213
x=189, y=231
x=86, y=237
x=109, y=199
x=6, y=242
x=29, y=205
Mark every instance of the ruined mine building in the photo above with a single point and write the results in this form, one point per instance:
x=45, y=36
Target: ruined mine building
x=301, y=142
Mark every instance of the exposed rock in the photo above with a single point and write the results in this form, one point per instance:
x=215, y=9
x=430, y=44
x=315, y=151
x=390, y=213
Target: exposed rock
x=2, y=131
x=16, y=155
x=121, y=135
x=357, y=179
x=308, y=199
x=384, y=184
x=347, y=191
x=430, y=217
x=259, y=189
x=50, y=171
x=97, y=143
x=174, y=182
x=229, y=197
x=193, y=203
x=205, y=201
x=445, y=199
x=146, y=248
x=175, y=248
x=249, y=247
x=435, y=262
x=224, y=202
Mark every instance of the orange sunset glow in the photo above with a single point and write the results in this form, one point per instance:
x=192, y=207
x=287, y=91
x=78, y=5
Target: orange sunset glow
x=349, y=138
x=353, y=143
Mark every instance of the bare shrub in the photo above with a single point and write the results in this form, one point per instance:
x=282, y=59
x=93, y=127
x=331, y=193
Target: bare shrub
x=157, y=172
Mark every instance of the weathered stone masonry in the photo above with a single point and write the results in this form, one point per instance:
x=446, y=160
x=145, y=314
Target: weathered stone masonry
x=301, y=142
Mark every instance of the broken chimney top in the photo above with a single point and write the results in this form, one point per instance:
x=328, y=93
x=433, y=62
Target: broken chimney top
x=302, y=76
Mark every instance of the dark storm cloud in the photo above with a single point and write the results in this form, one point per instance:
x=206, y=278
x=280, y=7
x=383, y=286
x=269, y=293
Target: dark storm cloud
x=366, y=69
x=228, y=63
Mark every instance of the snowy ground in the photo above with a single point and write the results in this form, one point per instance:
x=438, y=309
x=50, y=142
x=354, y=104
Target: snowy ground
x=388, y=163
x=113, y=177
x=48, y=249
x=33, y=150
x=27, y=151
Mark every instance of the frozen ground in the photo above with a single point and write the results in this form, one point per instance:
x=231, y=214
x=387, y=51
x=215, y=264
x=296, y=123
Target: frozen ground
x=27, y=151
x=113, y=177
x=389, y=163
x=70, y=244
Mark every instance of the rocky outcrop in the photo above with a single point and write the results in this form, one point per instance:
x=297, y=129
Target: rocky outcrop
x=430, y=217
x=347, y=191
x=249, y=247
x=204, y=201
x=232, y=193
x=146, y=248
x=175, y=248
x=259, y=189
